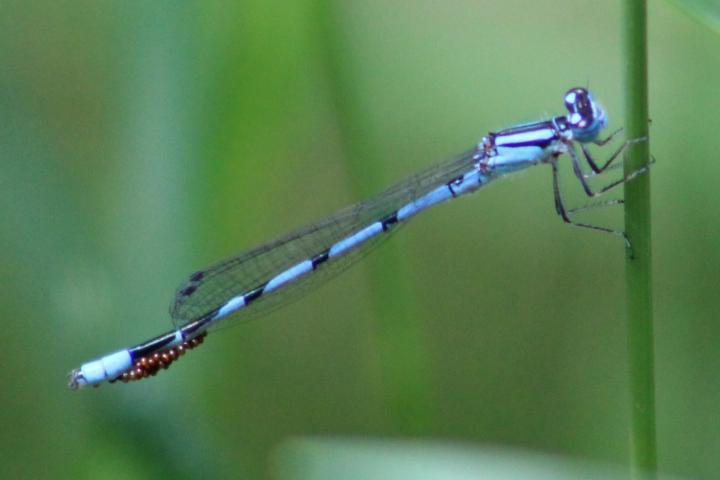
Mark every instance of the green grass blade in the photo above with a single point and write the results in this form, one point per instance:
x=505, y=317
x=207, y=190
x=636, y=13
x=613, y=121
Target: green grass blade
x=643, y=456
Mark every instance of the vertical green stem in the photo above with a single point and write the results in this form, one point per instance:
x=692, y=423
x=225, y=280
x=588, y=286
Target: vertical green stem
x=643, y=455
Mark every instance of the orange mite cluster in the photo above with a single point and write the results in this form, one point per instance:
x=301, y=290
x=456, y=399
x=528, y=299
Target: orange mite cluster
x=148, y=366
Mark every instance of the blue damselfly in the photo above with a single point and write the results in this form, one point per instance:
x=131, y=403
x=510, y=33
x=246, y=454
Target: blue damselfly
x=265, y=277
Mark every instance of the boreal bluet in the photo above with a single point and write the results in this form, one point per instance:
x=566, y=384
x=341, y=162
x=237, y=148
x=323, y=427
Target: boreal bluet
x=267, y=276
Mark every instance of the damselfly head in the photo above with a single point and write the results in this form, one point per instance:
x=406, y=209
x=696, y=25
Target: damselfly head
x=585, y=117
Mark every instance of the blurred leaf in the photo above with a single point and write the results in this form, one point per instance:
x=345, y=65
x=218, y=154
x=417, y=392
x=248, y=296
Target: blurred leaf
x=705, y=11
x=320, y=459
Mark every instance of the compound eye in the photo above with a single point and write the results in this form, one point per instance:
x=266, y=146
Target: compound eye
x=575, y=98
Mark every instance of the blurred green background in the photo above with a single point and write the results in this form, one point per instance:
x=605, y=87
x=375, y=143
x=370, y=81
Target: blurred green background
x=141, y=141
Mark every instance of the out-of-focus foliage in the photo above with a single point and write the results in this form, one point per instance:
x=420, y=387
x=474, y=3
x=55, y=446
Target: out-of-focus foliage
x=705, y=11
x=362, y=459
x=142, y=140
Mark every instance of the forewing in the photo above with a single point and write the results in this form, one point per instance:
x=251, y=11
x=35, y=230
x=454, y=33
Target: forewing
x=210, y=288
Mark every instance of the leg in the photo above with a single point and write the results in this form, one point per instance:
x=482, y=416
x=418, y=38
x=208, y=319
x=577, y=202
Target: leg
x=583, y=179
x=560, y=208
x=590, y=161
x=592, y=206
x=614, y=166
x=602, y=142
x=609, y=138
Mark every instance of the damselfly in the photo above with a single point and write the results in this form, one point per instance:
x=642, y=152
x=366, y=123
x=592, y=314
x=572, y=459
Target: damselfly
x=267, y=276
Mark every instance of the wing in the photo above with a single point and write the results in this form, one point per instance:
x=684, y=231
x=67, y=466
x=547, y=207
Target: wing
x=206, y=290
